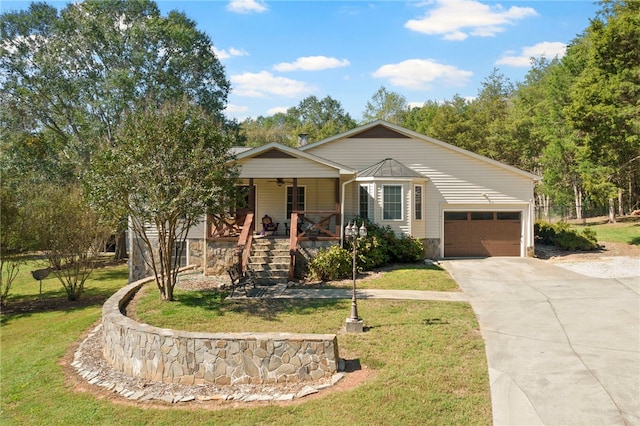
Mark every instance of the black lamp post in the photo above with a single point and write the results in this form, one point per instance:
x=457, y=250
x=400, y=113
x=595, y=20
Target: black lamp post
x=353, y=324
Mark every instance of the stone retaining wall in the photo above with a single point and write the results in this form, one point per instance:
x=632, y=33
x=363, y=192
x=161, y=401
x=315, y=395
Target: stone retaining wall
x=174, y=356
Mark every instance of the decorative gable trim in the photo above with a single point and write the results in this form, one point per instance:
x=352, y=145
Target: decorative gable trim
x=274, y=153
x=379, y=132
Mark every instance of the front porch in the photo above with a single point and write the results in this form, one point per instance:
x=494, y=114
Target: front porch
x=276, y=255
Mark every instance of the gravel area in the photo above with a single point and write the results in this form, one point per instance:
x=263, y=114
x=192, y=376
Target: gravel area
x=613, y=260
x=606, y=267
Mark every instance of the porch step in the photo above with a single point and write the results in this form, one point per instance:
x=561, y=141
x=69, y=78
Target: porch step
x=269, y=260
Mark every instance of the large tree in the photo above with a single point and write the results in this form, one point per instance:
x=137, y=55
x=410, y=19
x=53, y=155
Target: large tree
x=170, y=165
x=70, y=76
x=604, y=103
x=386, y=105
x=317, y=118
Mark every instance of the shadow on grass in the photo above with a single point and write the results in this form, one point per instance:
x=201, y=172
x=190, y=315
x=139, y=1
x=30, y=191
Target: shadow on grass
x=25, y=308
x=432, y=267
x=351, y=365
x=426, y=321
x=269, y=309
x=210, y=300
x=265, y=308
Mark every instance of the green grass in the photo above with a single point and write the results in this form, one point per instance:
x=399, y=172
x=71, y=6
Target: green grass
x=412, y=276
x=428, y=357
x=621, y=232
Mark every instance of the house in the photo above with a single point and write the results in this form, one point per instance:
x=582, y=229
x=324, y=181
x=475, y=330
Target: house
x=458, y=203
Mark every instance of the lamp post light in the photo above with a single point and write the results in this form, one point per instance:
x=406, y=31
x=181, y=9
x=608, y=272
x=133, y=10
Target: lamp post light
x=353, y=324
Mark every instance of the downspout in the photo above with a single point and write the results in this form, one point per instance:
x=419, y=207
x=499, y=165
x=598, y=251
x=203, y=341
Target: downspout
x=344, y=185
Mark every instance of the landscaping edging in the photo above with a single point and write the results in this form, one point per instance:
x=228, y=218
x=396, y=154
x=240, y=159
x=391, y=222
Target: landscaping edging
x=182, y=357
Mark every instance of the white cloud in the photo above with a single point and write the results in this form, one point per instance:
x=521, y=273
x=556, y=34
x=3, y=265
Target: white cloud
x=226, y=54
x=419, y=74
x=415, y=104
x=247, y=6
x=548, y=49
x=311, y=63
x=236, y=109
x=457, y=19
x=264, y=83
x=275, y=110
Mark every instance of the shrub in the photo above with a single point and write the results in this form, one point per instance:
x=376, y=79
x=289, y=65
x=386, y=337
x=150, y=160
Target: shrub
x=561, y=235
x=407, y=249
x=333, y=263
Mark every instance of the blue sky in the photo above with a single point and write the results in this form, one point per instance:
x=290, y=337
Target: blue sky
x=277, y=53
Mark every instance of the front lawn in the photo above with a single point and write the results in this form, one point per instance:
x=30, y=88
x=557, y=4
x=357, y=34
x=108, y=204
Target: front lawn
x=627, y=232
x=428, y=357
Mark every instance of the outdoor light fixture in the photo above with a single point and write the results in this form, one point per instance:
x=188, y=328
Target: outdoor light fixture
x=353, y=324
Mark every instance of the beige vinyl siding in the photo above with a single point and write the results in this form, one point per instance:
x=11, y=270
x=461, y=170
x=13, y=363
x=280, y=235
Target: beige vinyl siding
x=454, y=178
x=284, y=167
x=271, y=199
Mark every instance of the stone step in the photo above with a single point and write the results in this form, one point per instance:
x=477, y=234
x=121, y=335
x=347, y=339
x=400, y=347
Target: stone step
x=256, y=267
x=270, y=257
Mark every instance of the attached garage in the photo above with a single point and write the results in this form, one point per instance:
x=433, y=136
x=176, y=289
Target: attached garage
x=482, y=233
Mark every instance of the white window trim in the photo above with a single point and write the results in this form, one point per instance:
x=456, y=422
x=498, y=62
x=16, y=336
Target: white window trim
x=415, y=186
x=370, y=188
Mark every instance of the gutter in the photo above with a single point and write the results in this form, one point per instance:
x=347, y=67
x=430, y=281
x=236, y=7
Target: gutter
x=344, y=185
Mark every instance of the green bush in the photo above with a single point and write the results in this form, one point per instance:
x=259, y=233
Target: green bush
x=545, y=232
x=407, y=249
x=333, y=263
x=380, y=248
x=562, y=235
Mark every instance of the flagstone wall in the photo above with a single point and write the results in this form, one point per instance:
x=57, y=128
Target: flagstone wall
x=175, y=356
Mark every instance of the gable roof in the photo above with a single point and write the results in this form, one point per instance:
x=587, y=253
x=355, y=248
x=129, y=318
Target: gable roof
x=389, y=168
x=276, y=150
x=384, y=129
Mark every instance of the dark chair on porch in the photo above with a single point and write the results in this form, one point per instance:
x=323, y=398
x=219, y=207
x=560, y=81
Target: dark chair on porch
x=268, y=226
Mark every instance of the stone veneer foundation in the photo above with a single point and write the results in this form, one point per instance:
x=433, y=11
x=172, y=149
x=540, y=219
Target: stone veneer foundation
x=174, y=356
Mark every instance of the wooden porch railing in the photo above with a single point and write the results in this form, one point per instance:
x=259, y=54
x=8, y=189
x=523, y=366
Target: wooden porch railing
x=311, y=225
x=223, y=226
x=243, y=249
x=305, y=225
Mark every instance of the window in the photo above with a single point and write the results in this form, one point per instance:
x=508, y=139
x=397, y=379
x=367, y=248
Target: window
x=455, y=215
x=481, y=215
x=300, y=203
x=392, y=202
x=417, y=202
x=364, y=201
x=508, y=215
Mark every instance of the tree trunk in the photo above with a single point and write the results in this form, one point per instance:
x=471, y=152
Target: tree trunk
x=578, y=199
x=620, y=203
x=612, y=210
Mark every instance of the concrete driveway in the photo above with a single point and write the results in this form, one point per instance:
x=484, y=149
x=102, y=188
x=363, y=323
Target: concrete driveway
x=562, y=348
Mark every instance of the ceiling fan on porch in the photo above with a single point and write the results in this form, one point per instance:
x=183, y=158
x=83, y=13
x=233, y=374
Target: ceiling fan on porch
x=280, y=181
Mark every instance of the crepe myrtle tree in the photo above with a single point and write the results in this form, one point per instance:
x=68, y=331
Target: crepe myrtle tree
x=166, y=168
x=68, y=232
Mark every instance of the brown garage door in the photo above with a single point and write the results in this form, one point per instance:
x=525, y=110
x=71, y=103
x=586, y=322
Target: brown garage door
x=481, y=234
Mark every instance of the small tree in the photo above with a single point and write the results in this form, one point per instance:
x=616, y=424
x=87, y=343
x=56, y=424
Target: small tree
x=14, y=240
x=68, y=233
x=167, y=167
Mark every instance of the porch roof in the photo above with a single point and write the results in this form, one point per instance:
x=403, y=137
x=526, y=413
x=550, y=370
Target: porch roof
x=292, y=152
x=389, y=168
